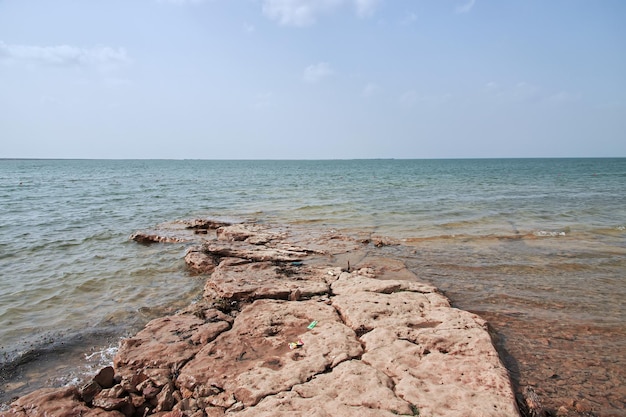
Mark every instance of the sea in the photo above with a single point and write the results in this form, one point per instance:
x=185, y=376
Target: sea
x=535, y=246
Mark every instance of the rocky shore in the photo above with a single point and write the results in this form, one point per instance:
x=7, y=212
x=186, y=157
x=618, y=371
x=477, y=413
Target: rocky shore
x=294, y=324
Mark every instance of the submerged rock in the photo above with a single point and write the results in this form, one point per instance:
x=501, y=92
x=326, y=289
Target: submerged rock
x=281, y=333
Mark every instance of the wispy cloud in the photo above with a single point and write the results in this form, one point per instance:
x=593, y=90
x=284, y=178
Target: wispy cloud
x=366, y=8
x=306, y=12
x=103, y=57
x=466, y=7
x=409, y=19
x=411, y=98
x=408, y=98
x=527, y=93
x=263, y=100
x=181, y=2
x=297, y=12
x=563, y=97
x=491, y=86
x=371, y=90
x=316, y=72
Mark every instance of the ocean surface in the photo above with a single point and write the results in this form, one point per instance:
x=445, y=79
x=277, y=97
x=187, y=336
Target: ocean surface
x=536, y=246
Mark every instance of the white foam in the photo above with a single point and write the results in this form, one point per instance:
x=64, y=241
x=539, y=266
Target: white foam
x=545, y=233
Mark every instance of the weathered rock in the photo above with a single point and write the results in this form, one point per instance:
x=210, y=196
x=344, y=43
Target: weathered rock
x=165, y=398
x=364, y=311
x=254, y=360
x=58, y=402
x=441, y=359
x=110, y=403
x=199, y=261
x=154, y=237
x=166, y=343
x=89, y=391
x=367, y=280
x=205, y=224
x=351, y=389
x=255, y=234
x=384, y=344
x=237, y=280
x=106, y=377
x=250, y=252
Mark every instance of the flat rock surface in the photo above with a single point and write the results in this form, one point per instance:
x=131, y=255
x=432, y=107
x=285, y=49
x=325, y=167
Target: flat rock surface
x=283, y=331
x=243, y=280
x=254, y=359
x=167, y=342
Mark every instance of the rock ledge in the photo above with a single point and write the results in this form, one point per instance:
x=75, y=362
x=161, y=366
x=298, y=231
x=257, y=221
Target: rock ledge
x=282, y=331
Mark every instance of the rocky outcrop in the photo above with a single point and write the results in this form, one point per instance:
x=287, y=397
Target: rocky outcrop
x=281, y=332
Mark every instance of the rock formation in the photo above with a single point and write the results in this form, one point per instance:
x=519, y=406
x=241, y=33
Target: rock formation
x=281, y=331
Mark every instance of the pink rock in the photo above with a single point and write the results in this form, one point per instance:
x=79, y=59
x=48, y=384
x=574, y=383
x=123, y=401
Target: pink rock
x=250, y=252
x=155, y=237
x=384, y=344
x=205, y=224
x=254, y=233
x=253, y=359
x=200, y=262
x=441, y=359
x=167, y=342
x=237, y=280
x=351, y=389
x=58, y=402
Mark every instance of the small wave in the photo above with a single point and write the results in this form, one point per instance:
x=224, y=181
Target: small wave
x=51, y=352
x=312, y=207
x=547, y=233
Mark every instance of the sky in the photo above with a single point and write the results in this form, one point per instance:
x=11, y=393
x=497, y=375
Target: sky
x=312, y=79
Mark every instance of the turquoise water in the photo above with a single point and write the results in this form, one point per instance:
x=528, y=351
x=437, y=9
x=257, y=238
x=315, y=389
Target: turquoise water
x=514, y=235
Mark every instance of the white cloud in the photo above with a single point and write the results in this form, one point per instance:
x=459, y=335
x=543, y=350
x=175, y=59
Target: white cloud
x=370, y=90
x=50, y=101
x=411, y=98
x=524, y=91
x=436, y=99
x=491, y=85
x=408, y=98
x=306, y=12
x=563, y=97
x=181, y=2
x=465, y=8
x=316, y=72
x=103, y=57
x=409, y=19
x=248, y=28
x=297, y=12
x=263, y=100
x=117, y=82
x=365, y=8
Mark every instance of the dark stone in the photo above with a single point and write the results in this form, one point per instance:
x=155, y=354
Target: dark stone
x=106, y=377
x=89, y=391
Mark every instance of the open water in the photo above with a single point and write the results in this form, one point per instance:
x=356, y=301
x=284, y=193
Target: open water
x=536, y=246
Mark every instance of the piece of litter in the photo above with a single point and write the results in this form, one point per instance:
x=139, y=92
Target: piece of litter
x=312, y=325
x=296, y=345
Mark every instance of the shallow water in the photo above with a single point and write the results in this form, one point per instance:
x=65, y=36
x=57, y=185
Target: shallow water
x=536, y=246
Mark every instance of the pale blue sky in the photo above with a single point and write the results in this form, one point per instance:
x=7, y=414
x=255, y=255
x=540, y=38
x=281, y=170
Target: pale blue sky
x=312, y=79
